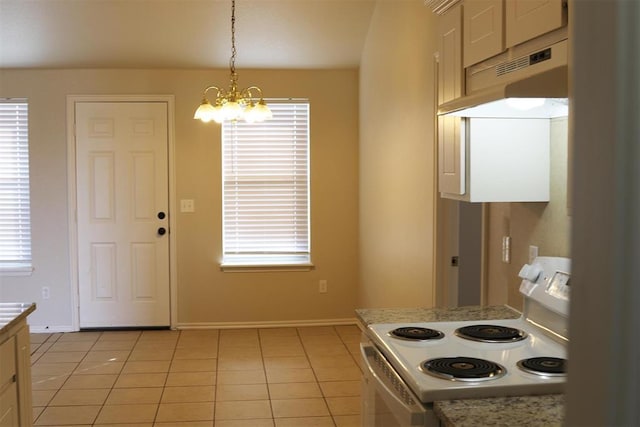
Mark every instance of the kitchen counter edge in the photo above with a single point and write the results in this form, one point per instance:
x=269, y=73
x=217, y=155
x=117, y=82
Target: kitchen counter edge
x=543, y=410
x=12, y=313
x=368, y=316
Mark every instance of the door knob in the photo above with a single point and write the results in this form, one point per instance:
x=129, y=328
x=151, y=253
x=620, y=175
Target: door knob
x=161, y=215
x=162, y=231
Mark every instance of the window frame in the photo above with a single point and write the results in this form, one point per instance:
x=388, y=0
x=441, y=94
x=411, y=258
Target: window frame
x=268, y=258
x=14, y=144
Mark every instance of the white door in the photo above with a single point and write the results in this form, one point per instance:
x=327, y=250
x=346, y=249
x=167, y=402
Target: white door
x=122, y=213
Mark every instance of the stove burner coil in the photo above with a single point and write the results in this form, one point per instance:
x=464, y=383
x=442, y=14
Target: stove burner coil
x=547, y=366
x=463, y=369
x=490, y=333
x=413, y=333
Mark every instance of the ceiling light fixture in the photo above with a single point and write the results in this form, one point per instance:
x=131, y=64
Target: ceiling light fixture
x=233, y=104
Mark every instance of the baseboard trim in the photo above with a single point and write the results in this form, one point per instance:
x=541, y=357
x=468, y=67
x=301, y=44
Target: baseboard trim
x=221, y=325
x=268, y=324
x=35, y=329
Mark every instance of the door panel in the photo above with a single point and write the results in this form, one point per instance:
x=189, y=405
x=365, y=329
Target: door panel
x=122, y=184
x=451, y=156
x=482, y=31
x=527, y=19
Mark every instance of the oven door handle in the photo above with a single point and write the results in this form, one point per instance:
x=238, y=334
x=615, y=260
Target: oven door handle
x=394, y=386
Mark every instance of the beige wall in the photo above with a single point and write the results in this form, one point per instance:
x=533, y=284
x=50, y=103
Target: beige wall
x=205, y=294
x=546, y=225
x=397, y=157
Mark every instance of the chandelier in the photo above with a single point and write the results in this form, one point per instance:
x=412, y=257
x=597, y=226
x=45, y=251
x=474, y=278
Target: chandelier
x=233, y=104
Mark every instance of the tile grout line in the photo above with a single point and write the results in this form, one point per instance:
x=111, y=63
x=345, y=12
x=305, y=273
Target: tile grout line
x=215, y=383
x=116, y=379
x=216, y=365
x=266, y=378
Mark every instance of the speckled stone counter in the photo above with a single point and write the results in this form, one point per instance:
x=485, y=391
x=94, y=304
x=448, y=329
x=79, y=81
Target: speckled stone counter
x=523, y=411
x=368, y=316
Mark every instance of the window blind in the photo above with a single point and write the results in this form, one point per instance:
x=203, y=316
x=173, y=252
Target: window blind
x=15, y=220
x=266, y=188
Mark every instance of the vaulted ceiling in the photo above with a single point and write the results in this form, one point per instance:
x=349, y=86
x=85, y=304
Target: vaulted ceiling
x=182, y=33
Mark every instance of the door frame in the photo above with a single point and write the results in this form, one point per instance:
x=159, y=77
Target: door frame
x=73, y=203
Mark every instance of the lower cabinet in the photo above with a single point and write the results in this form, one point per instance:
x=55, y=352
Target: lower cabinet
x=9, y=413
x=9, y=406
x=15, y=378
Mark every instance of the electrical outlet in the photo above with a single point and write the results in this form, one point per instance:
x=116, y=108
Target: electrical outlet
x=45, y=292
x=322, y=286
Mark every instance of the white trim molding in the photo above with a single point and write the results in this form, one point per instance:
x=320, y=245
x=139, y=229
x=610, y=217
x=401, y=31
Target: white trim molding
x=71, y=192
x=269, y=324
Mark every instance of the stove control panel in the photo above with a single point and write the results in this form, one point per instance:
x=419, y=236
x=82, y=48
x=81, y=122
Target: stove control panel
x=559, y=285
x=546, y=280
x=530, y=272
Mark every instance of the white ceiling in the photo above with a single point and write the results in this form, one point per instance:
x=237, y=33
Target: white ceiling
x=182, y=33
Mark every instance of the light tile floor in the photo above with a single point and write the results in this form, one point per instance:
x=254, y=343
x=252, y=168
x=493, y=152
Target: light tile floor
x=277, y=377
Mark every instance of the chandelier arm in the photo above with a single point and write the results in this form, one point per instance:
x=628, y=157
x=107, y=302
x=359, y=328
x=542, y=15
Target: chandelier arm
x=208, y=88
x=247, y=92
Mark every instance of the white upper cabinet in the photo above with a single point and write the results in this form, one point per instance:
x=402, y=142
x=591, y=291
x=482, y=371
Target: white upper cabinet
x=483, y=33
x=450, y=86
x=506, y=160
x=493, y=26
x=451, y=156
x=527, y=19
x=481, y=159
x=450, y=75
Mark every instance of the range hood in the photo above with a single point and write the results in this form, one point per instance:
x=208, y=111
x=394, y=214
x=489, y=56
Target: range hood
x=532, y=86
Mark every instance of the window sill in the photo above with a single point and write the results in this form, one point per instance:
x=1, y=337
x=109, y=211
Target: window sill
x=15, y=271
x=236, y=267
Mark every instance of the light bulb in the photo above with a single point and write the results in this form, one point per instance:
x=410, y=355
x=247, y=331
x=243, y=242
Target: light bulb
x=205, y=112
x=262, y=112
x=232, y=110
x=250, y=113
x=218, y=113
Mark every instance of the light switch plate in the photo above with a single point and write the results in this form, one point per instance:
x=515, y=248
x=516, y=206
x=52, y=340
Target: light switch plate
x=506, y=249
x=187, y=205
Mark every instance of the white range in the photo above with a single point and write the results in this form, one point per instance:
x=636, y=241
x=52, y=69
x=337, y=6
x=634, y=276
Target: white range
x=411, y=365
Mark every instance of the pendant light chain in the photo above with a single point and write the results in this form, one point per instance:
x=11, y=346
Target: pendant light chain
x=232, y=64
x=233, y=104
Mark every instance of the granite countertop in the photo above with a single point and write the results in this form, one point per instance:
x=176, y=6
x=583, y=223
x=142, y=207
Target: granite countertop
x=526, y=411
x=13, y=312
x=398, y=315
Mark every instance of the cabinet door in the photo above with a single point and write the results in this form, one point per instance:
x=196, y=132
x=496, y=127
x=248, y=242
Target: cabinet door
x=450, y=81
x=527, y=19
x=451, y=156
x=450, y=86
x=23, y=373
x=9, y=407
x=8, y=390
x=483, y=30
